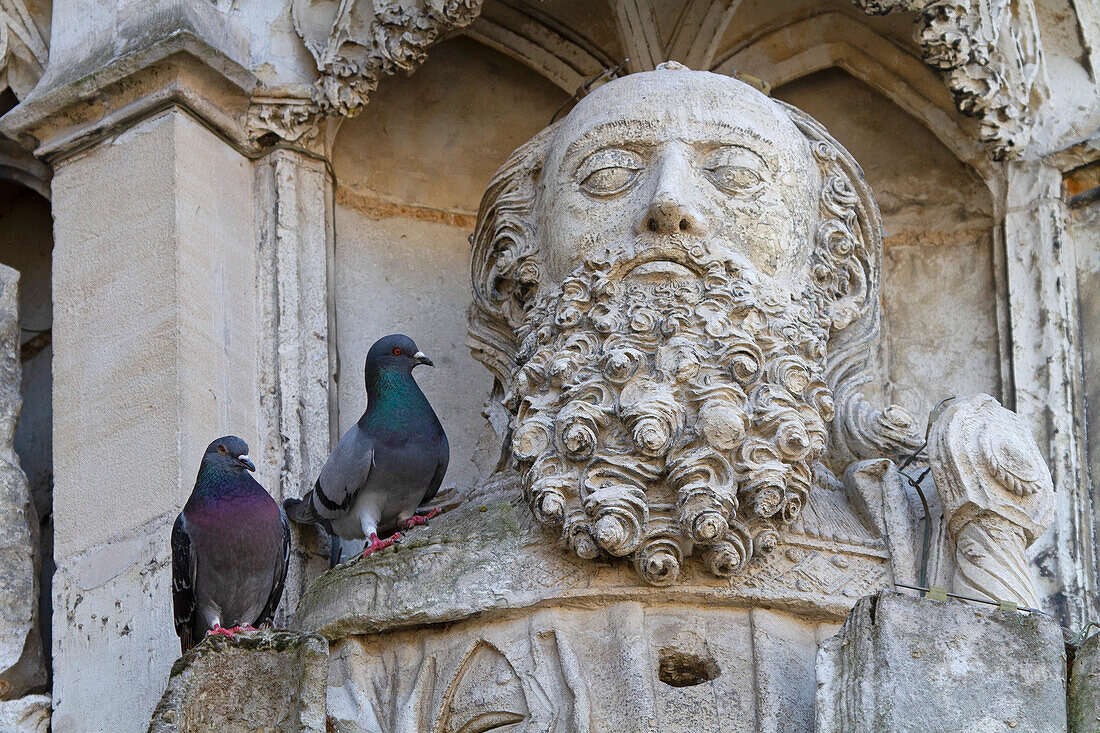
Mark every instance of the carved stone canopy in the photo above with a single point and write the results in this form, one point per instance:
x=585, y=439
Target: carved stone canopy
x=675, y=287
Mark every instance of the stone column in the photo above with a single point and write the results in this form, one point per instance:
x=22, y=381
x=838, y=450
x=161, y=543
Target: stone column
x=155, y=353
x=297, y=356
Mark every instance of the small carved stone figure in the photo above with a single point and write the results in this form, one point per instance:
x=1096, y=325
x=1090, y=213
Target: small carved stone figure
x=674, y=287
x=389, y=463
x=997, y=497
x=230, y=548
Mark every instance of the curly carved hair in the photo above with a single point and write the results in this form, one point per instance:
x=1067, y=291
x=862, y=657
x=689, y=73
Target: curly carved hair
x=506, y=272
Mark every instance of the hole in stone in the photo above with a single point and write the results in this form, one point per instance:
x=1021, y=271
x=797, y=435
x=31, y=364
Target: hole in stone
x=652, y=225
x=680, y=669
x=683, y=225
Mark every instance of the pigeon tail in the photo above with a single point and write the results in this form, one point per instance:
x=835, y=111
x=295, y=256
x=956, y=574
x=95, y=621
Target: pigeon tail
x=300, y=511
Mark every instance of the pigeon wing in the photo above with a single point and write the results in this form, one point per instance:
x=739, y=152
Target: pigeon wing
x=183, y=584
x=440, y=470
x=344, y=474
x=280, y=576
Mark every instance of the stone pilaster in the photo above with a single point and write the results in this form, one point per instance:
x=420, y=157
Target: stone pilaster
x=1046, y=369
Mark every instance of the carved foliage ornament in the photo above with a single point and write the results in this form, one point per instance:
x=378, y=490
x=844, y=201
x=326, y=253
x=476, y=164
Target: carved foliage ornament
x=654, y=419
x=355, y=42
x=988, y=53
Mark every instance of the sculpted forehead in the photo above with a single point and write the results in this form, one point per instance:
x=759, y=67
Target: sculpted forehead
x=650, y=165
x=696, y=106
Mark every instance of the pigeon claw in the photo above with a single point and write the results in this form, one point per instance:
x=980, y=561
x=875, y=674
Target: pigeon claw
x=376, y=544
x=231, y=633
x=418, y=519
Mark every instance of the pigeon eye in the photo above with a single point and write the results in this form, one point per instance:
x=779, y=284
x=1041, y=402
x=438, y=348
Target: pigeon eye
x=396, y=351
x=222, y=450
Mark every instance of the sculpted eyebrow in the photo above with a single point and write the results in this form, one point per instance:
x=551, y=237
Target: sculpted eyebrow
x=628, y=130
x=638, y=131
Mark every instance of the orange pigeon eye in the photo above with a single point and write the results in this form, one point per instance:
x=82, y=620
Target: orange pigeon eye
x=396, y=351
x=222, y=450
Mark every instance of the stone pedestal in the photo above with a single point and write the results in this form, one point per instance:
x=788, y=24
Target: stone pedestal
x=481, y=615
x=259, y=681
x=904, y=664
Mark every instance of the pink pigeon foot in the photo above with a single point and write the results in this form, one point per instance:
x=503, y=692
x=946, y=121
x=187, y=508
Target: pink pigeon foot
x=219, y=631
x=377, y=544
x=418, y=519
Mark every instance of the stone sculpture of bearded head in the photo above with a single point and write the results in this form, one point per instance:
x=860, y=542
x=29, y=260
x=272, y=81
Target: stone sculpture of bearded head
x=676, y=287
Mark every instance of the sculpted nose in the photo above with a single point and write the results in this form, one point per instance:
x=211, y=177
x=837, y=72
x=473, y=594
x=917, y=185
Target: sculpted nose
x=672, y=209
x=668, y=216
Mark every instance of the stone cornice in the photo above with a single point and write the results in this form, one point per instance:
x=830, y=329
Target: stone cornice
x=180, y=70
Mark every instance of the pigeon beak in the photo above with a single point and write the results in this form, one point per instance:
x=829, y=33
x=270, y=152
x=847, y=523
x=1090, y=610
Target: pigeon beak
x=246, y=462
x=422, y=359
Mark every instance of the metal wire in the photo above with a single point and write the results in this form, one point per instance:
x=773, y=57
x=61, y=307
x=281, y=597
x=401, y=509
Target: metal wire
x=926, y=543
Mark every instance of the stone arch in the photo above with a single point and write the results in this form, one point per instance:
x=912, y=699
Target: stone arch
x=560, y=54
x=783, y=53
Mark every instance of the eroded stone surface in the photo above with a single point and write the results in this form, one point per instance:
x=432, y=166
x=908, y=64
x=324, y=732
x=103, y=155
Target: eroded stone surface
x=28, y=714
x=263, y=680
x=1084, y=688
x=905, y=664
x=997, y=496
x=21, y=664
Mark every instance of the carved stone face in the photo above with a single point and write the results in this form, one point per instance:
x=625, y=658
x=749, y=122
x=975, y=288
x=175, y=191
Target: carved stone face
x=653, y=163
x=657, y=282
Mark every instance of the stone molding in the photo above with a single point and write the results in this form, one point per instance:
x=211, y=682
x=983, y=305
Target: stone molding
x=988, y=53
x=180, y=70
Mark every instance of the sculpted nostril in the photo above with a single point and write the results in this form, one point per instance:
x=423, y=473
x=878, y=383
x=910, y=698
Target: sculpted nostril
x=651, y=224
x=683, y=225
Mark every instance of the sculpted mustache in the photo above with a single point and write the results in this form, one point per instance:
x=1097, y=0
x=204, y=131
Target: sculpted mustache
x=693, y=254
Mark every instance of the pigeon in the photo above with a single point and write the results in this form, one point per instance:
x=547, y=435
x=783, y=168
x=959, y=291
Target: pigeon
x=230, y=549
x=389, y=463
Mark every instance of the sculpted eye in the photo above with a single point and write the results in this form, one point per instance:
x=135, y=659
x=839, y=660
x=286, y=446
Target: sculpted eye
x=609, y=172
x=735, y=170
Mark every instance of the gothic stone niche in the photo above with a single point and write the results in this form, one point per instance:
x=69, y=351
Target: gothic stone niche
x=676, y=288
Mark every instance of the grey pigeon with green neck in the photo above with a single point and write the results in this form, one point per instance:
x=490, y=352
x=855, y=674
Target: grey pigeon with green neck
x=389, y=463
x=230, y=548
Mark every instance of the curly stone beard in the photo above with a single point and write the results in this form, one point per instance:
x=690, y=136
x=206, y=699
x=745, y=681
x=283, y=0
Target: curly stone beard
x=654, y=418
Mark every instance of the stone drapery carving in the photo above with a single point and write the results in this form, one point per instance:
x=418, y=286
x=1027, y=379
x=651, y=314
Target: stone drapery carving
x=997, y=496
x=988, y=53
x=673, y=326
x=23, y=50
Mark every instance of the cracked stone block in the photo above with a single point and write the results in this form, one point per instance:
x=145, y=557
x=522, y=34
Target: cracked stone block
x=903, y=664
x=270, y=681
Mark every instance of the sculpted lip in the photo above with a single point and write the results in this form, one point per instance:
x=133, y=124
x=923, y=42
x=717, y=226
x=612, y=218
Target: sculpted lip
x=663, y=265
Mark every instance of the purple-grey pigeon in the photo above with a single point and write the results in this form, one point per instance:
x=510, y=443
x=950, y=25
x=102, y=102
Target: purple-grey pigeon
x=389, y=463
x=230, y=548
